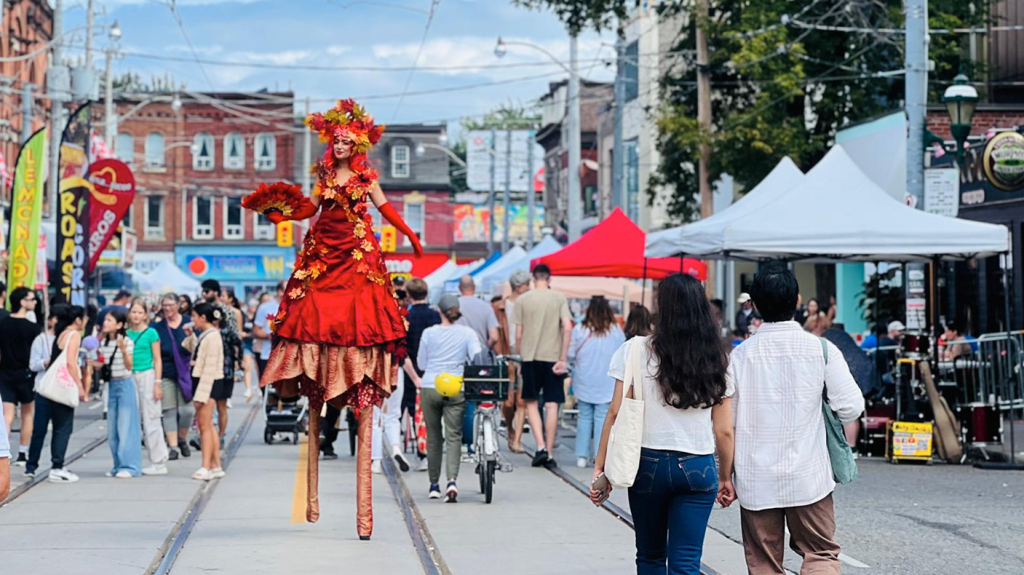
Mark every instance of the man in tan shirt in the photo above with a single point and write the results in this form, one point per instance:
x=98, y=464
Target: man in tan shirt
x=543, y=331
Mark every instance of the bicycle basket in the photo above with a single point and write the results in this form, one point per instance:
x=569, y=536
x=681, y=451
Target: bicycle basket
x=485, y=382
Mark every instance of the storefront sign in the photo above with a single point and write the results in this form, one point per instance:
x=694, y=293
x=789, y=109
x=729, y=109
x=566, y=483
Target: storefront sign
x=236, y=263
x=111, y=191
x=408, y=266
x=27, y=211
x=1004, y=161
x=473, y=220
x=942, y=191
x=910, y=440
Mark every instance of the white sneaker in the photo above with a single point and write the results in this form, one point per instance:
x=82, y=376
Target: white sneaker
x=376, y=467
x=424, y=466
x=202, y=474
x=581, y=462
x=155, y=469
x=248, y=394
x=217, y=473
x=123, y=474
x=108, y=474
x=229, y=403
x=62, y=476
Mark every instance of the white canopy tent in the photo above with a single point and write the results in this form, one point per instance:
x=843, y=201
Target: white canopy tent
x=705, y=236
x=837, y=213
x=167, y=277
x=490, y=280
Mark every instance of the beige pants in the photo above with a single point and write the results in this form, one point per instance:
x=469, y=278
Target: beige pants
x=151, y=414
x=812, y=530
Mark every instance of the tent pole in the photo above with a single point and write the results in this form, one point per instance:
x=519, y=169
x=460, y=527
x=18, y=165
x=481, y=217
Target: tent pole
x=643, y=284
x=933, y=301
x=875, y=330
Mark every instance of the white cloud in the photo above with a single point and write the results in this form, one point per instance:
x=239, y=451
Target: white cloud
x=338, y=50
x=282, y=58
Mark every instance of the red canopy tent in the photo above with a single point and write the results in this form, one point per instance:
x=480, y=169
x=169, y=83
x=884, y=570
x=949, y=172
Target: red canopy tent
x=615, y=248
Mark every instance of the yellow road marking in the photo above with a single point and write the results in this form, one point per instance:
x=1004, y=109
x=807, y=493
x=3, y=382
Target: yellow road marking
x=299, y=494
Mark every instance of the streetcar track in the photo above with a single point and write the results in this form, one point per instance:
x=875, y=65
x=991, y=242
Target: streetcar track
x=172, y=546
x=426, y=548
x=42, y=476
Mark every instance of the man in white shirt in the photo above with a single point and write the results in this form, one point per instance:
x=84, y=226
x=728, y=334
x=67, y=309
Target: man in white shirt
x=782, y=468
x=5, y=460
x=261, y=326
x=477, y=314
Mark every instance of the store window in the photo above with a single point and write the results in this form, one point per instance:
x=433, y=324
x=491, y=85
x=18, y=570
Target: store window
x=265, y=150
x=234, y=151
x=400, y=162
x=154, y=218
x=202, y=151
x=234, y=229
x=202, y=218
x=155, y=150
x=124, y=148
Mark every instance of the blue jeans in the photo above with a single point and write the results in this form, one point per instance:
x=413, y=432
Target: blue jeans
x=124, y=431
x=671, y=501
x=467, y=425
x=589, y=425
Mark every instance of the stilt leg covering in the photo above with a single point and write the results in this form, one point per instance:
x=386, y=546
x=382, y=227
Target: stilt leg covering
x=313, y=468
x=364, y=476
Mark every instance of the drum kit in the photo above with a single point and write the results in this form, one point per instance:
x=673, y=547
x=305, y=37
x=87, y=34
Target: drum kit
x=962, y=384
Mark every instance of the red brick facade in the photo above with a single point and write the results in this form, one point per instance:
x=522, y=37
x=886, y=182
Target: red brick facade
x=184, y=133
x=987, y=116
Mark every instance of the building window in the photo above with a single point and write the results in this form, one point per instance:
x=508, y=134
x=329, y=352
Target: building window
x=124, y=148
x=129, y=217
x=234, y=229
x=202, y=158
x=400, y=161
x=415, y=215
x=202, y=218
x=265, y=152
x=234, y=151
x=263, y=229
x=155, y=150
x=154, y=218
x=630, y=71
x=632, y=180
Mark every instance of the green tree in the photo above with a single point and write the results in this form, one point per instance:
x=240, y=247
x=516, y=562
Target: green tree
x=786, y=75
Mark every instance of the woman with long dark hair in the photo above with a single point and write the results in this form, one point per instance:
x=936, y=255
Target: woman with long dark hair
x=207, y=363
x=124, y=433
x=687, y=414
x=70, y=321
x=594, y=340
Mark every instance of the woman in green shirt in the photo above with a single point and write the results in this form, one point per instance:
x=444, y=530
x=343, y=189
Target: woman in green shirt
x=147, y=369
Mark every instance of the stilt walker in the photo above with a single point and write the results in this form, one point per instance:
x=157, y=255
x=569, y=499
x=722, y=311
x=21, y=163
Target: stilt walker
x=339, y=336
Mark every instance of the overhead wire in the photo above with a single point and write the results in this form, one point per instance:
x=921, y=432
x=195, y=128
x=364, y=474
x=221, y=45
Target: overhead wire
x=419, y=52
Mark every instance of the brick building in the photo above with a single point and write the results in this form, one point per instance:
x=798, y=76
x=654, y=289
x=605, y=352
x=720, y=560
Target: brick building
x=26, y=28
x=194, y=159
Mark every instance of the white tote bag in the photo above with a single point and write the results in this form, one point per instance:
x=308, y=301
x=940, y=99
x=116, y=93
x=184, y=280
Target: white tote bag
x=57, y=384
x=623, y=456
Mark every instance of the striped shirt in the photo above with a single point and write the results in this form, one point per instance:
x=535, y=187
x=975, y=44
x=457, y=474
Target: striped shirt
x=108, y=349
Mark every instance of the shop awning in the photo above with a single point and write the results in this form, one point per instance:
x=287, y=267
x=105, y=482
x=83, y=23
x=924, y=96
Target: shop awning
x=615, y=248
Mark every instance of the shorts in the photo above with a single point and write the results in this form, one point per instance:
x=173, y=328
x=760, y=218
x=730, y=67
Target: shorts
x=538, y=378
x=17, y=386
x=222, y=389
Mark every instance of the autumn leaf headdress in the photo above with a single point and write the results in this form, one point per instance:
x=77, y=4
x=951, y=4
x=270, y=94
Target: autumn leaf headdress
x=346, y=119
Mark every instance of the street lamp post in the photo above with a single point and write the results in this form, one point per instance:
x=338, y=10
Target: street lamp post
x=572, y=127
x=961, y=99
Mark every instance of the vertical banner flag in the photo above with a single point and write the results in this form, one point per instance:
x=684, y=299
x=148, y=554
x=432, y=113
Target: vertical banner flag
x=27, y=211
x=71, y=281
x=111, y=186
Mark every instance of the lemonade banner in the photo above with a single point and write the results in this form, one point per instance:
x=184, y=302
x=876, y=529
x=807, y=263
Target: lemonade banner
x=27, y=211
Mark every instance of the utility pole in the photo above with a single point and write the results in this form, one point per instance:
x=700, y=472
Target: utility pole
x=573, y=127
x=531, y=194
x=490, y=196
x=307, y=155
x=507, y=199
x=707, y=206
x=58, y=85
x=88, y=34
x=619, y=199
x=109, y=116
x=26, y=111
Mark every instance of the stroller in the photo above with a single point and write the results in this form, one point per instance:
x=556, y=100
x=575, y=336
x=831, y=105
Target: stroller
x=284, y=415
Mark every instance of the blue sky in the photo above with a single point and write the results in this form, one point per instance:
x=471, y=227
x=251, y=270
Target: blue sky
x=336, y=33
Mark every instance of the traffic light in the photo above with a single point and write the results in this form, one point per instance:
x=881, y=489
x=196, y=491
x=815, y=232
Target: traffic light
x=388, y=239
x=285, y=234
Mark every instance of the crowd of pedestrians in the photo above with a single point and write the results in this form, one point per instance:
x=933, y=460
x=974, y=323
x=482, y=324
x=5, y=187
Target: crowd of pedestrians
x=161, y=368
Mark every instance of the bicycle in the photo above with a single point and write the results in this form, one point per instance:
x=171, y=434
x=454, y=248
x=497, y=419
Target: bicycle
x=487, y=385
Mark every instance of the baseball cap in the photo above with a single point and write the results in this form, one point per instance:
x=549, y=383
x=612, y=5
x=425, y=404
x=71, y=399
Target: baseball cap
x=897, y=326
x=448, y=301
x=744, y=298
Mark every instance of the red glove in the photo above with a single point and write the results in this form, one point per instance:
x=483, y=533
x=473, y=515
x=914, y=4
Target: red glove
x=305, y=211
x=392, y=216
